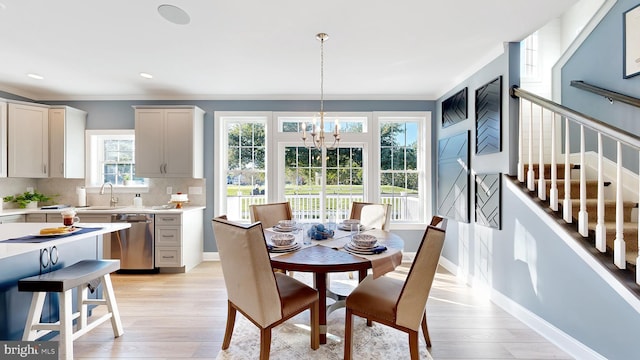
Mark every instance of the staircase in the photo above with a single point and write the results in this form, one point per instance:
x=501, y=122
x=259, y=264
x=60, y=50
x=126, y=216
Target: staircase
x=630, y=227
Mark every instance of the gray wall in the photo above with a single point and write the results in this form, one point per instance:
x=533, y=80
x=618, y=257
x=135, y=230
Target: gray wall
x=120, y=115
x=598, y=61
x=458, y=248
x=526, y=261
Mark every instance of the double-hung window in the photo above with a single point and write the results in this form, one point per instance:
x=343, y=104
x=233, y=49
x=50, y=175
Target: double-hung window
x=382, y=157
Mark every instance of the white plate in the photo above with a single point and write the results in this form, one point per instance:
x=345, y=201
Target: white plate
x=358, y=250
x=279, y=229
x=284, y=246
x=279, y=249
x=62, y=234
x=354, y=246
x=348, y=228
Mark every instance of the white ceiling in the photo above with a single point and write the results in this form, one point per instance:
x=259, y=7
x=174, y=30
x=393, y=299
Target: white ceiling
x=256, y=49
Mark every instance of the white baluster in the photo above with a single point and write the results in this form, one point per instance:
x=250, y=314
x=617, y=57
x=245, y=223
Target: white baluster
x=553, y=191
x=542, y=184
x=530, y=175
x=619, y=248
x=601, y=229
x=583, y=216
x=520, y=145
x=567, y=207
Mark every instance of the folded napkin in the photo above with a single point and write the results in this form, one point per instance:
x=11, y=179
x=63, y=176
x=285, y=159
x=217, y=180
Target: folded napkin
x=379, y=249
x=41, y=239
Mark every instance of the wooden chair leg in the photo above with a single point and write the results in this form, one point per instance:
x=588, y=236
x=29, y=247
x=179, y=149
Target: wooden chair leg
x=315, y=325
x=231, y=320
x=413, y=345
x=425, y=330
x=348, y=322
x=66, y=325
x=265, y=343
x=369, y=322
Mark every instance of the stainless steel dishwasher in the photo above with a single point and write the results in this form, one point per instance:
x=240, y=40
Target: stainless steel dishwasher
x=135, y=246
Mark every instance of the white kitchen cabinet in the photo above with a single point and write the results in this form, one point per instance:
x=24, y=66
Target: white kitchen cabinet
x=178, y=241
x=6, y=219
x=3, y=139
x=66, y=142
x=28, y=140
x=169, y=141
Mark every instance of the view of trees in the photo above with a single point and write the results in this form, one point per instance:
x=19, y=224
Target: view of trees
x=246, y=160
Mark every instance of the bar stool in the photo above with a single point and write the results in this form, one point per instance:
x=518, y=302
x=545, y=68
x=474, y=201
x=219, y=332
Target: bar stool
x=80, y=275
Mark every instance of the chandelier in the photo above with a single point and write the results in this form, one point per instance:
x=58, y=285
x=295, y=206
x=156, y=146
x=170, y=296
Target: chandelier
x=317, y=131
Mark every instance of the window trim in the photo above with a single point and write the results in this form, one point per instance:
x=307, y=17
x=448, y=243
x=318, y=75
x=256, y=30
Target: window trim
x=92, y=162
x=276, y=141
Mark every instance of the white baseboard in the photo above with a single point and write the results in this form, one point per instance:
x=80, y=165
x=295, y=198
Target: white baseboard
x=556, y=336
x=210, y=256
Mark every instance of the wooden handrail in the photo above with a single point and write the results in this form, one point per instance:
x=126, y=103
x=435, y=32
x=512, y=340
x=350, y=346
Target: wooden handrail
x=589, y=122
x=610, y=95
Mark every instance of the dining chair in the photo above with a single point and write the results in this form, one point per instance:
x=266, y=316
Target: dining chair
x=264, y=297
x=270, y=214
x=356, y=209
x=375, y=216
x=396, y=303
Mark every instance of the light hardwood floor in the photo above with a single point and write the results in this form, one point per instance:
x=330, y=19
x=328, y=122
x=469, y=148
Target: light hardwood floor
x=182, y=316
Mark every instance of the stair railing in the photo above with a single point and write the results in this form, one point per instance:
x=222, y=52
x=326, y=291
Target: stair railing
x=621, y=137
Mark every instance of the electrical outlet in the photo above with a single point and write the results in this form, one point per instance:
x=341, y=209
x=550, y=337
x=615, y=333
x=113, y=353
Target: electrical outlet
x=195, y=190
x=169, y=190
x=29, y=189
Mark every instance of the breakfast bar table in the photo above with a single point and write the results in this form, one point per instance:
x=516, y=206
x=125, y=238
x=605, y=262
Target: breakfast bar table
x=327, y=256
x=24, y=252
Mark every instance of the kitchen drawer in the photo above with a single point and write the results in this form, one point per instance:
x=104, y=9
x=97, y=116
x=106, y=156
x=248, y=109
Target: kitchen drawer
x=168, y=219
x=38, y=218
x=168, y=257
x=6, y=219
x=168, y=236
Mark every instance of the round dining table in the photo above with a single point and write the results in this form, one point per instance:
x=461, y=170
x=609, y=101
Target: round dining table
x=324, y=257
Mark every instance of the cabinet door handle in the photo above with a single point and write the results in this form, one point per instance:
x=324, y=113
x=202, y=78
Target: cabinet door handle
x=44, y=167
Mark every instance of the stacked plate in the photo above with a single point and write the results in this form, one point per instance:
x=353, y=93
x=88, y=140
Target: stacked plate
x=346, y=225
x=285, y=226
x=283, y=243
x=364, y=244
x=284, y=248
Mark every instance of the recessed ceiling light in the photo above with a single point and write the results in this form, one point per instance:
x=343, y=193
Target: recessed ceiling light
x=35, y=76
x=146, y=75
x=174, y=14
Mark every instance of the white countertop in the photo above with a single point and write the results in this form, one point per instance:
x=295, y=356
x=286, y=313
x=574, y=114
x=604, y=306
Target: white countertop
x=14, y=230
x=105, y=210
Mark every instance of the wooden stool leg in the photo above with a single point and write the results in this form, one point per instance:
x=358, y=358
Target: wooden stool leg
x=82, y=307
x=35, y=311
x=66, y=325
x=110, y=297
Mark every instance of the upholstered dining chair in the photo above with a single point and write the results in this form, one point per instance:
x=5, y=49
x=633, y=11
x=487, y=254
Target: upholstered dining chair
x=396, y=303
x=266, y=298
x=376, y=216
x=270, y=214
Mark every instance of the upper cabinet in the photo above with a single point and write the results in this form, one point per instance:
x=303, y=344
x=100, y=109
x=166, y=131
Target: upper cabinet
x=28, y=142
x=66, y=142
x=169, y=141
x=3, y=139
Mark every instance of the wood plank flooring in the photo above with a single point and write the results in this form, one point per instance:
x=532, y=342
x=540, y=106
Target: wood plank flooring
x=182, y=316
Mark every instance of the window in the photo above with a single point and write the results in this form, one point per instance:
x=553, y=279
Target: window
x=530, y=57
x=400, y=169
x=111, y=159
x=381, y=158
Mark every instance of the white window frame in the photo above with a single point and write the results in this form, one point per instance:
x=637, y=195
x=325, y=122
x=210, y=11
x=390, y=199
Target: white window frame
x=94, y=152
x=277, y=141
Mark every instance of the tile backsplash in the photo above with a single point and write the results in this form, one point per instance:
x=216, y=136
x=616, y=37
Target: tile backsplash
x=65, y=189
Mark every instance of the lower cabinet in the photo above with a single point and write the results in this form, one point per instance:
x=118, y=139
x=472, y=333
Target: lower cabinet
x=6, y=219
x=179, y=241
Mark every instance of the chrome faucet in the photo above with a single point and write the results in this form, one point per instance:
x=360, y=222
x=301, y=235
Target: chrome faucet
x=113, y=201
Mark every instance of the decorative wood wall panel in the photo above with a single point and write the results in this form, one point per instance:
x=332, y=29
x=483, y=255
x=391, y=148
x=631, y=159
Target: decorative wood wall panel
x=454, y=109
x=488, y=200
x=489, y=117
x=453, y=177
